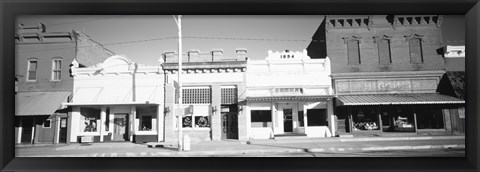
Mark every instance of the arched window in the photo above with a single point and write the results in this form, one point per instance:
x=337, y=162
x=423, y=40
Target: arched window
x=415, y=46
x=384, y=52
x=353, y=51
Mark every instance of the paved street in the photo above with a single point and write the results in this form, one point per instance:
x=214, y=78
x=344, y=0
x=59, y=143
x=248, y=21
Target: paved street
x=400, y=146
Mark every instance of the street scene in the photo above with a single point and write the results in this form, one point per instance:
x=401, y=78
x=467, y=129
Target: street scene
x=240, y=86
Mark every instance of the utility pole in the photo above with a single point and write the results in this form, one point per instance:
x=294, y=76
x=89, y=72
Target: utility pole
x=178, y=20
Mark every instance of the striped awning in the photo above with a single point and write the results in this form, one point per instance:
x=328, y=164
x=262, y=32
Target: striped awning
x=289, y=98
x=39, y=103
x=398, y=99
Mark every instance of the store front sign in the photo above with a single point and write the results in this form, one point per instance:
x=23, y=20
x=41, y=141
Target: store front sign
x=288, y=91
x=385, y=85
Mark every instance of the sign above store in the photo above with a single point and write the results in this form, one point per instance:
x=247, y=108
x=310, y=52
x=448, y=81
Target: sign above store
x=288, y=91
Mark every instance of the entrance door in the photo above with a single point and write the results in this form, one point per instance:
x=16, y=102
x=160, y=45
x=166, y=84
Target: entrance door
x=287, y=121
x=120, y=127
x=62, y=137
x=229, y=125
x=27, y=129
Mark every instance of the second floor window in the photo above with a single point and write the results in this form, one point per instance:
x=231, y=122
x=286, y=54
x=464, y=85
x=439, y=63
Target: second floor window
x=353, y=52
x=32, y=70
x=384, y=54
x=416, y=54
x=56, y=69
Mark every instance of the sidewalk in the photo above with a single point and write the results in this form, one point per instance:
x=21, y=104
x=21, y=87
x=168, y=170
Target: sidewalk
x=270, y=146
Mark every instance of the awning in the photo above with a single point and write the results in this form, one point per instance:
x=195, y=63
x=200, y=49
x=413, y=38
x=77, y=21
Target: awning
x=398, y=99
x=116, y=96
x=289, y=98
x=39, y=103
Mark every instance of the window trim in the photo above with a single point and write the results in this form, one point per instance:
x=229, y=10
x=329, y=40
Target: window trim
x=50, y=126
x=389, y=42
x=358, y=40
x=54, y=70
x=28, y=69
x=420, y=38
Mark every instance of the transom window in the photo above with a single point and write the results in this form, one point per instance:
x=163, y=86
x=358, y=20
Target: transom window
x=195, y=96
x=229, y=95
x=32, y=70
x=56, y=69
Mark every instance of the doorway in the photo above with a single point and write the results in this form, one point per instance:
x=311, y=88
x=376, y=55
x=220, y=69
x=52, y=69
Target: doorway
x=229, y=122
x=27, y=129
x=287, y=121
x=120, y=125
x=62, y=137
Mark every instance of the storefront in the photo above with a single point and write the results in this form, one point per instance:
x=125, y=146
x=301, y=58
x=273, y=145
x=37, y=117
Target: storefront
x=211, y=87
x=117, y=100
x=289, y=94
x=402, y=103
x=40, y=117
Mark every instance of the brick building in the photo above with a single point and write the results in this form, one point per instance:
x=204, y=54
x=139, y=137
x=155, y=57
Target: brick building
x=212, y=86
x=43, y=80
x=385, y=72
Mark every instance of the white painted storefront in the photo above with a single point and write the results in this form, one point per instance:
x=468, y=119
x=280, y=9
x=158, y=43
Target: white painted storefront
x=117, y=100
x=289, y=94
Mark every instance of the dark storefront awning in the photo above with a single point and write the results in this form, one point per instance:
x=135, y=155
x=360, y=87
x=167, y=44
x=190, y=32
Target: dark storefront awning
x=289, y=98
x=39, y=103
x=397, y=99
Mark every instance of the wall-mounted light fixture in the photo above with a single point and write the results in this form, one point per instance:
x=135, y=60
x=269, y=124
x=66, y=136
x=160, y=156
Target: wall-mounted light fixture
x=214, y=109
x=240, y=108
x=166, y=110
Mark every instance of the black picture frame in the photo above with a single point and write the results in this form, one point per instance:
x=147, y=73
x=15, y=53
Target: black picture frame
x=10, y=9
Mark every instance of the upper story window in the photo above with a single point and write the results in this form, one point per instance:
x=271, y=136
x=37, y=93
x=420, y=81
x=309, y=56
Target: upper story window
x=384, y=51
x=415, y=47
x=32, y=70
x=56, y=69
x=353, y=52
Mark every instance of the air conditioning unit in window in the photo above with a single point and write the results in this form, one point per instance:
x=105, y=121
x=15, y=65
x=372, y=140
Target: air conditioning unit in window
x=86, y=139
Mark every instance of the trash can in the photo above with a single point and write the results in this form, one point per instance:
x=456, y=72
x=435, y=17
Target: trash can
x=186, y=143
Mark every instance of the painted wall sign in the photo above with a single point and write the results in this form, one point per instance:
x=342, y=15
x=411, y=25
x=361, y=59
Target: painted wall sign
x=288, y=91
x=385, y=85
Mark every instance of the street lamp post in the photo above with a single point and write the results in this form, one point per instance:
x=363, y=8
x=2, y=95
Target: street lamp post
x=178, y=20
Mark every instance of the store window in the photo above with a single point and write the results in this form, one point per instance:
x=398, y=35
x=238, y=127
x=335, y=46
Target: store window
x=199, y=121
x=261, y=118
x=384, y=54
x=365, y=119
x=32, y=70
x=89, y=119
x=353, y=52
x=416, y=54
x=146, y=116
x=56, y=69
x=429, y=119
x=47, y=123
x=317, y=117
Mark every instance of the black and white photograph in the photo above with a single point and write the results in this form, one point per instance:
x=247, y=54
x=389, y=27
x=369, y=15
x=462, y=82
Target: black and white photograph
x=240, y=86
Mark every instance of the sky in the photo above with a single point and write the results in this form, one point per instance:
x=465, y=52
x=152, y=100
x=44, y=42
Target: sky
x=143, y=39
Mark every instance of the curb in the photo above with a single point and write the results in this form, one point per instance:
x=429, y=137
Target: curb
x=253, y=152
x=361, y=139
